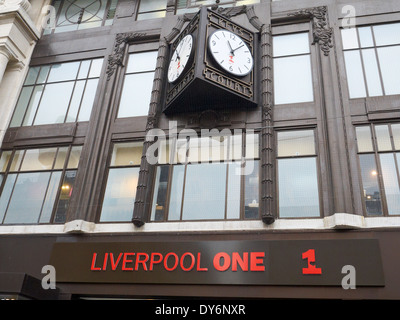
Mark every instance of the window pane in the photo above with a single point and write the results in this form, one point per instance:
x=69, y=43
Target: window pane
x=151, y=15
x=251, y=191
x=371, y=191
x=160, y=194
x=88, y=99
x=21, y=107
x=396, y=135
x=95, y=68
x=27, y=198
x=354, y=73
x=390, y=67
x=366, y=39
x=63, y=71
x=387, y=34
x=50, y=197
x=151, y=5
x=74, y=157
x=127, y=154
x=65, y=196
x=349, y=38
x=54, y=104
x=75, y=101
x=33, y=104
x=38, y=159
x=119, y=197
x=291, y=44
x=293, y=80
x=4, y=159
x=175, y=201
x=364, y=139
x=136, y=95
x=32, y=75
x=298, y=188
x=6, y=194
x=144, y=61
x=390, y=182
x=383, y=138
x=61, y=156
x=296, y=143
x=16, y=161
x=252, y=146
x=372, y=73
x=84, y=69
x=204, y=181
x=233, y=192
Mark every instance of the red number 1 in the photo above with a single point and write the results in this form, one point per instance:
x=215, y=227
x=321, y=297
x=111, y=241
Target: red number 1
x=311, y=269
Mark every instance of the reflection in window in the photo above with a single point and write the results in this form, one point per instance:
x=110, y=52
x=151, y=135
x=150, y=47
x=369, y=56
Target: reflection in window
x=58, y=93
x=138, y=84
x=151, y=9
x=123, y=175
x=82, y=14
x=371, y=57
x=292, y=69
x=380, y=169
x=205, y=180
x=297, y=175
x=33, y=185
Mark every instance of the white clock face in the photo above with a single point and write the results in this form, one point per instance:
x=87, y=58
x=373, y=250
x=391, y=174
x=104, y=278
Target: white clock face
x=180, y=58
x=231, y=52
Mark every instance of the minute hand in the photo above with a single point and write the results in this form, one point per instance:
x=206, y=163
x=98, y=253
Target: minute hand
x=237, y=48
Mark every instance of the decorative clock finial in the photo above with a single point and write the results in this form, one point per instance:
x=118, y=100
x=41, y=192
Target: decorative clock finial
x=215, y=6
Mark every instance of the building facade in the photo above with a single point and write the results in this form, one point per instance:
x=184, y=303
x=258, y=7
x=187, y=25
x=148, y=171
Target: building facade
x=239, y=149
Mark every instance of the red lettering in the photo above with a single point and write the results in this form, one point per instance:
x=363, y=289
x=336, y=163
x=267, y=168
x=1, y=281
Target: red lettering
x=153, y=261
x=237, y=259
x=93, y=268
x=125, y=261
x=142, y=262
x=226, y=261
x=114, y=264
x=192, y=263
x=166, y=261
x=198, y=263
x=105, y=261
x=310, y=256
x=256, y=261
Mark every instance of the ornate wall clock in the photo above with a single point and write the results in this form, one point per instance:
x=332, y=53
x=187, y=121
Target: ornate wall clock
x=180, y=59
x=220, y=71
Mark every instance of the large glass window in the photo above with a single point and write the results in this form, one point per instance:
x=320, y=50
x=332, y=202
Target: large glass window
x=207, y=178
x=58, y=93
x=37, y=184
x=372, y=60
x=186, y=6
x=74, y=15
x=297, y=175
x=123, y=175
x=292, y=68
x=138, y=84
x=379, y=156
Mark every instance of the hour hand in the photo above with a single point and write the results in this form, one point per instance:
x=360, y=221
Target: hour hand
x=229, y=44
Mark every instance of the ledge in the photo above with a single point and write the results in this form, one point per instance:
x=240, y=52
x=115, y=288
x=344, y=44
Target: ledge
x=338, y=221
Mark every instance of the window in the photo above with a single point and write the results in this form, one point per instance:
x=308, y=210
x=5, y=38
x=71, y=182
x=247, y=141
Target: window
x=37, y=184
x=123, y=175
x=138, y=84
x=82, y=14
x=202, y=179
x=379, y=156
x=371, y=56
x=292, y=68
x=58, y=93
x=150, y=9
x=187, y=6
x=297, y=175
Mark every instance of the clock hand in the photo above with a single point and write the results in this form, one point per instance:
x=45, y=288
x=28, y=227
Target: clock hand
x=238, y=48
x=229, y=44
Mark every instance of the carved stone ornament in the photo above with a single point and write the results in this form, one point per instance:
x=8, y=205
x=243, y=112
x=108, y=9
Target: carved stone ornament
x=117, y=57
x=321, y=31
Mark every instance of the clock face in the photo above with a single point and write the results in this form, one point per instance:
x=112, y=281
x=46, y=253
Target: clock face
x=180, y=58
x=230, y=52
